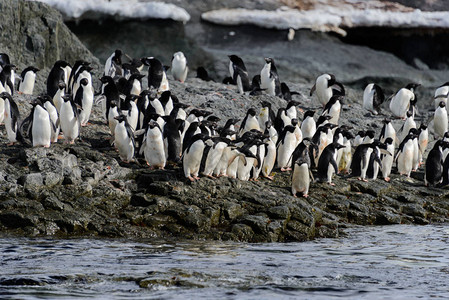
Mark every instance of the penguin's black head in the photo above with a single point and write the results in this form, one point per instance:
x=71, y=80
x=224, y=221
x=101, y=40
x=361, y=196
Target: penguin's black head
x=67, y=97
x=292, y=103
x=181, y=105
x=113, y=103
x=309, y=113
x=120, y=118
x=423, y=126
x=205, y=113
x=268, y=124
x=148, y=61
x=36, y=102
x=269, y=60
x=84, y=81
x=202, y=73
x=414, y=132
x=61, y=64
x=294, y=122
x=412, y=86
x=4, y=59
x=88, y=68
x=348, y=135
x=106, y=79
x=361, y=133
x=153, y=124
x=31, y=68
x=289, y=128
x=5, y=95
x=61, y=85
x=388, y=141
x=386, y=120
x=44, y=98
x=377, y=143
x=9, y=67
x=234, y=58
x=446, y=135
x=118, y=56
x=213, y=118
x=339, y=146
x=266, y=104
x=251, y=112
x=409, y=114
x=442, y=104
x=370, y=134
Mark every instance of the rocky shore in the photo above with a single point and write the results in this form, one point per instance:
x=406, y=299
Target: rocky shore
x=85, y=190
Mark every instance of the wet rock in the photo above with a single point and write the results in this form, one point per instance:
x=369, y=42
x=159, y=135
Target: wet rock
x=232, y=210
x=141, y=200
x=242, y=232
x=17, y=220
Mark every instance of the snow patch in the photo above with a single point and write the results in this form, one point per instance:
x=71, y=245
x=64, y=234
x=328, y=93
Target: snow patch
x=329, y=18
x=127, y=9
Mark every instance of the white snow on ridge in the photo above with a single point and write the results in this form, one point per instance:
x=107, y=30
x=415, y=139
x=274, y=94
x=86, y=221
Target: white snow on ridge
x=329, y=18
x=127, y=9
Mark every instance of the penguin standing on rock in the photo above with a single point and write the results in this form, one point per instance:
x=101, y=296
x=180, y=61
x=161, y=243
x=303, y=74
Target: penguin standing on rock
x=249, y=122
x=179, y=67
x=361, y=159
x=434, y=164
x=423, y=140
x=54, y=116
x=39, y=125
x=28, y=78
x=157, y=78
x=301, y=169
x=69, y=118
x=327, y=165
x=387, y=160
x=333, y=108
x=387, y=131
x=266, y=114
x=113, y=65
x=239, y=74
x=401, y=101
x=57, y=98
x=193, y=154
x=84, y=98
x=373, y=97
x=440, y=121
x=111, y=93
x=441, y=94
x=5, y=78
x=12, y=116
x=406, y=153
x=269, y=78
x=324, y=87
x=286, y=145
x=56, y=75
x=124, y=139
x=153, y=146
x=308, y=125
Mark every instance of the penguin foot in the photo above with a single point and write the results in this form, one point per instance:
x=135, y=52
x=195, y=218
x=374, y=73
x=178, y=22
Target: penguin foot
x=191, y=179
x=294, y=195
x=196, y=177
x=10, y=144
x=306, y=195
x=211, y=177
x=269, y=177
x=331, y=183
x=387, y=179
x=285, y=169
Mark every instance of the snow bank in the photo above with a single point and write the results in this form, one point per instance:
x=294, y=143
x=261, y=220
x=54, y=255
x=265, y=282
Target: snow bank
x=330, y=18
x=127, y=9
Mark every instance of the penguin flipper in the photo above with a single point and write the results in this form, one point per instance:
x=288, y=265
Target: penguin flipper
x=312, y=90
x=334, y=164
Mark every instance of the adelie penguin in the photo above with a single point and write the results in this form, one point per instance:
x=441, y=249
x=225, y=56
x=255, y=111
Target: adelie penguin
x=27, y=80
x=408, y=124
x=434, y=164
x=157, y=78
x=327, y=165
x=110, y=92
x=286, y=93
x=265, y=114
x=113, y=65
x=130, y=110
x=5, y=78
x=301, y=173
x=153, y=146
x=48, y=104
x=193, y=154
x=85, y=99
x=323, y=87
x=440, y=121
x=441, y=94
x=361, y=159
x=269, y=78
x=56, y=75
x=387, y=160
x=124, y=139
x=12, y=117
x=406, y=154
x=179, y=67
x=387, y=131
x=212, y=156
x=308, y=125
x=373, y=97
x=423, y=140
x=286, y=145
x=38, y=125
x=333, y=108
x=75, y=70
x=402, y=100
x=69, y=119
x=172, y=138
x=239, y=74
x=249, y=122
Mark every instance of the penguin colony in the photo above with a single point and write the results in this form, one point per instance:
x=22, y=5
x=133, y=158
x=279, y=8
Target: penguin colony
x=153, y=124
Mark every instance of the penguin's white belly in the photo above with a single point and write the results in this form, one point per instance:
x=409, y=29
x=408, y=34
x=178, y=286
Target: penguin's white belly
x=387, y=162
x=123, y=143
x=243, y=172
x=364, y=168
x=41, y=129
x=2, y=109
x=222, y=165
x=266, y=82
x=136, y=88
x=10, y=131
x=69, y=123
x=400, y=103
x=54, y=118
x=179, y=69
x=308, y=128
x=285, y=151
x=164, y=84
x=111, y=121
x=232, y=168
x=405, y=159
x=158, y=107
x=192, y=159
x=300, y=179
x=27, y=85
x=213, y=158
x=440, y=122
x=154, y=149
x=334, y=112
x=251, y=123
x=270, y=159
x=368, y=95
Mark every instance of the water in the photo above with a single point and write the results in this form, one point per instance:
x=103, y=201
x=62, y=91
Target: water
x=390, y=262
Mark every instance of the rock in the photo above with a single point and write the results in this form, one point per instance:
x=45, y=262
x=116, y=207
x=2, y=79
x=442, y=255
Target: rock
x=242, y=232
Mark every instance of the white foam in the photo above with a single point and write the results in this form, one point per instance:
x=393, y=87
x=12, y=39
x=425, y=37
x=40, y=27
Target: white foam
x=132, y=9
x=330, y=18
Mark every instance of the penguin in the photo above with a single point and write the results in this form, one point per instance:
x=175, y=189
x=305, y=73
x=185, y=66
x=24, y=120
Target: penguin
x=172, y=138
x=245, y=166
x=234, y=63
x=323, y=86
x=256, y=90
x=4, y=60
x=113, y=65
x=265, y=114
x=154, y=104
x=75, y=70
x=301, y=173
x=433, y=175
x=441, y=94
x=405, y=154
x=408, y=124
x=5, y=78
x=281, y=120
x=57, y=98
x=249, y=122
x=369, y=137
x=54, y=116
x=269, y=78
x=375, y=161
x=134, y=84
x=286, y=145
x=423, y=140
x=239, y=74
x=157, y=78
x=111, y=93
x=373, y=97
x=270, y=151
x=130, y=110
x=28, y=78
x=346, y=157
x=402, y=100
x=387, y=131
x=69, y=120
x=83, y=72
x=56, y=75
x=230, y=124
x=327, y=165
x=308, y=125
x=291, y=109
x=320, y=139
x=194, y=129
x=286, y=93
x=153, y=146
x=84, y=98
x=202, y=74
x=135, y=66
x=333, y=108
x=387, y=160
x=179, y=67
x=361, y=159
x=359, y=138
x=124, y=139
x=322, y=120
x=191, y=159
x=440, y=121
x=167, y=100
x=39, y=125
x=12, y=117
